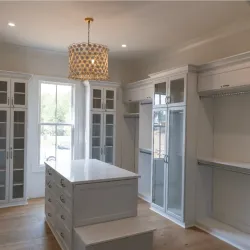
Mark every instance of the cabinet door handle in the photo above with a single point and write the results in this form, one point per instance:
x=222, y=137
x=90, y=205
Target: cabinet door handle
x=166, y=158
x=62, y=235
x=62, y=183
x=49, y=200
x=7, y=155
x=12, y=101
x=49, y=173
x=225, y=86
x=62, y=217
x=101, y=151
x=10, y=153
x=8, y=102
x=62, y=199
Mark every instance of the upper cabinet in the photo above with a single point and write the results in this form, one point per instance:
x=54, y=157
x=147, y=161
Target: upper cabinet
x=103, y=99
x=13, y=93
x=170, y=90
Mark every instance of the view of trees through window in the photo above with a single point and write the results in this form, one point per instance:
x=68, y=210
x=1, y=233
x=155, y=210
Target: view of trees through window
x=55, y=122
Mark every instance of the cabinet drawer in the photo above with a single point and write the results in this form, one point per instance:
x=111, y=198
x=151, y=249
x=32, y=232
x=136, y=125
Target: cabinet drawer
x=64, y=235
x=64, y=217
x=50, y=197
x=64, y=200
x=50, y=185
x=50, y=212
x=64, y=185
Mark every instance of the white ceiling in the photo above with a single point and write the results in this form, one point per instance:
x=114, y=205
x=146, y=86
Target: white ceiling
x=144, y=26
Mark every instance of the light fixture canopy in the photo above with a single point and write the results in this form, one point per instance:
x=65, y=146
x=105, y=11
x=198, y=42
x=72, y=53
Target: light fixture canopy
x=124, y=45
x=88, y=61
x=11, y=24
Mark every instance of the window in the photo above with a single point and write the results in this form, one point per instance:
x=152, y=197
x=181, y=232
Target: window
x=56, y=122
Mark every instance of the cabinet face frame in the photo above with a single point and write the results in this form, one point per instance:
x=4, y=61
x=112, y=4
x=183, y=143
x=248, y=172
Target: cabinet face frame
x=7, y=159
x=92, y=88
x=11, y=154
x=105, y=99
x=8, y=99
x=178, y=108
x=12, y=93
x=162, y=209
x=158, y=81
x=101, y=134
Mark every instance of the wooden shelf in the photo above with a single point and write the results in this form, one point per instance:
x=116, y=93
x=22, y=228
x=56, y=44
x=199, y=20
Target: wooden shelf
x=239, y=167
x=18, y=169
x=17, y=184
x=2, y=186
x=131, y=115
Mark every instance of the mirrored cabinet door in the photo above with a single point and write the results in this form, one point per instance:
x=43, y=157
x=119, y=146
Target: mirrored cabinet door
x=159, y=157
x=17, y=152
x=109, y=99
x=96, y=136
x=4, y=154
x=175, y=161
x=97, y=98
x=19, y=92
x=4, y=92
x=160, y=94
x=109, y=121
x=177, y=90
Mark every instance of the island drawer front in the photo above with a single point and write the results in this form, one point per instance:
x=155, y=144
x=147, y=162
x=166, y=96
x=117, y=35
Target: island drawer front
x=50, y=197
x=64, y=185
x=64, y=217
x=50, y=212
x=106, y=201
x=64, y=235
x=64, y=200
x=50, y=185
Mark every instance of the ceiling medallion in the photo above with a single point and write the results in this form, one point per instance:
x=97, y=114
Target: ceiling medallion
x=88, y=61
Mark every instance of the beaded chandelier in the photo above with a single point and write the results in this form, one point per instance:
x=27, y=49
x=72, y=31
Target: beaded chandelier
x=88, y=61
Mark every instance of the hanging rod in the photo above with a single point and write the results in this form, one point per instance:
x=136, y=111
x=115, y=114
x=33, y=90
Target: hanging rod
x=226, y=94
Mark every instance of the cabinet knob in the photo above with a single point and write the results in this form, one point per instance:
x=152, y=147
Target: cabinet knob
x=62, y=235
x=49, y=214
x=62, y=199
x=62, y=183
x=49, y=184
x=62, y=217
x=49, y=200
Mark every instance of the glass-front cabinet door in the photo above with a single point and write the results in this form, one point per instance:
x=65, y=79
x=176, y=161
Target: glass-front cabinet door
x=160, y=93
x=4, y=154
x=177, y=90
x=109, y=99
x=109, y=123
x=97, y=99
x=159, y=157
x=19, y=93
x=96, y=136
x=17, y=153
x=176, y=145
x=4, y=92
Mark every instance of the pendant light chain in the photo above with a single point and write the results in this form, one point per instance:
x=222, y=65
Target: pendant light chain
x=88, y=30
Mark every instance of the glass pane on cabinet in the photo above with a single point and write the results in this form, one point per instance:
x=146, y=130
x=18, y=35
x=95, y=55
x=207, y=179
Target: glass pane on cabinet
x=110, y=94
x=19, y=129
x=48, y=143
x=109, y=104
x=159, y=145
x=177, y=90
x=109, y=155
x=19, y=87
x=18, y=143
x=18, y=159
x=2, y=178
x=109, y=119
x=97, y=103
x=109, y=141
x=18, y=177
x=97, y=93
x=96, y=142
x=3, y=116
x=2, y=193
x=2, y=129
x=3, y=86
x=19, y=116
x=3, y=98
x=2, y=160
x=2, y=143
x=96, y=130
x=17, y=191
x=96, y=153
x=109, y=130
x=175, y=161
x=96, y=119
x=19, y=99
x=160, y=93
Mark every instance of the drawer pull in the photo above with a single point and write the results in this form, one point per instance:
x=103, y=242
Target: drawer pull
x=49, y=184
x=62, y=199
x=62, y=183
x=49, y=200
x=49, y=214
x=62, y=235
x=62, y=217
x=50, y=173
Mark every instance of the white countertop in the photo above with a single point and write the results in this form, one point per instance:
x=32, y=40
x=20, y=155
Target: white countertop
x=90, y=170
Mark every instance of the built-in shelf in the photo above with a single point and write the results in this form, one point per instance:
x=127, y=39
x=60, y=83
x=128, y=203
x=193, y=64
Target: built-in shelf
x=18, y=169
x=1, y=185
x=225, y=232
x=2, y=170
x=18, y=184
x=131, y=115
x=240, y=167
x=146, y=150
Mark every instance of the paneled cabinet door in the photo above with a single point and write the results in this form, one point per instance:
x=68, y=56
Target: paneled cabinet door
x=18, y=93
x=109, y=99
x=5, y=92
x=17, y=154
x=175, y=161
x=96, y=136
x=159, y=157
x=4, y=153
x=109, y=137
x=97, y=99
x=161, y=93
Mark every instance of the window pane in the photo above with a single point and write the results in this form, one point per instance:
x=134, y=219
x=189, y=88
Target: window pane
x=63, y=104
x=48, y=102
x=47, y=143
x=63, y=148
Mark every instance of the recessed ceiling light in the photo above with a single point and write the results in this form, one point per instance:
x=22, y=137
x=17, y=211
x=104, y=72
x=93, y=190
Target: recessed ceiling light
x=11, y=24
x=124, y=45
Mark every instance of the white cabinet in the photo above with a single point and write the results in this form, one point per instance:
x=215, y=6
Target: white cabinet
x=100, y=128
x=174, y=147
x=13, y=93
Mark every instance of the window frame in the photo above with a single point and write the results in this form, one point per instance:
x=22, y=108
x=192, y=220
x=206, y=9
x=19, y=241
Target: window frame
x=41, y=167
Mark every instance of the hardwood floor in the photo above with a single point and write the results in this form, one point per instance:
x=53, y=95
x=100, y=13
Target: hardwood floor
x=24, y=228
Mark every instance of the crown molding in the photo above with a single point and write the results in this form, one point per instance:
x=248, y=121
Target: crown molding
x=12, y=74
x=101, y=83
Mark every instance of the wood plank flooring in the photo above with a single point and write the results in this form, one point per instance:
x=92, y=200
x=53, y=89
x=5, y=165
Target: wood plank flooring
x=24, y=228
